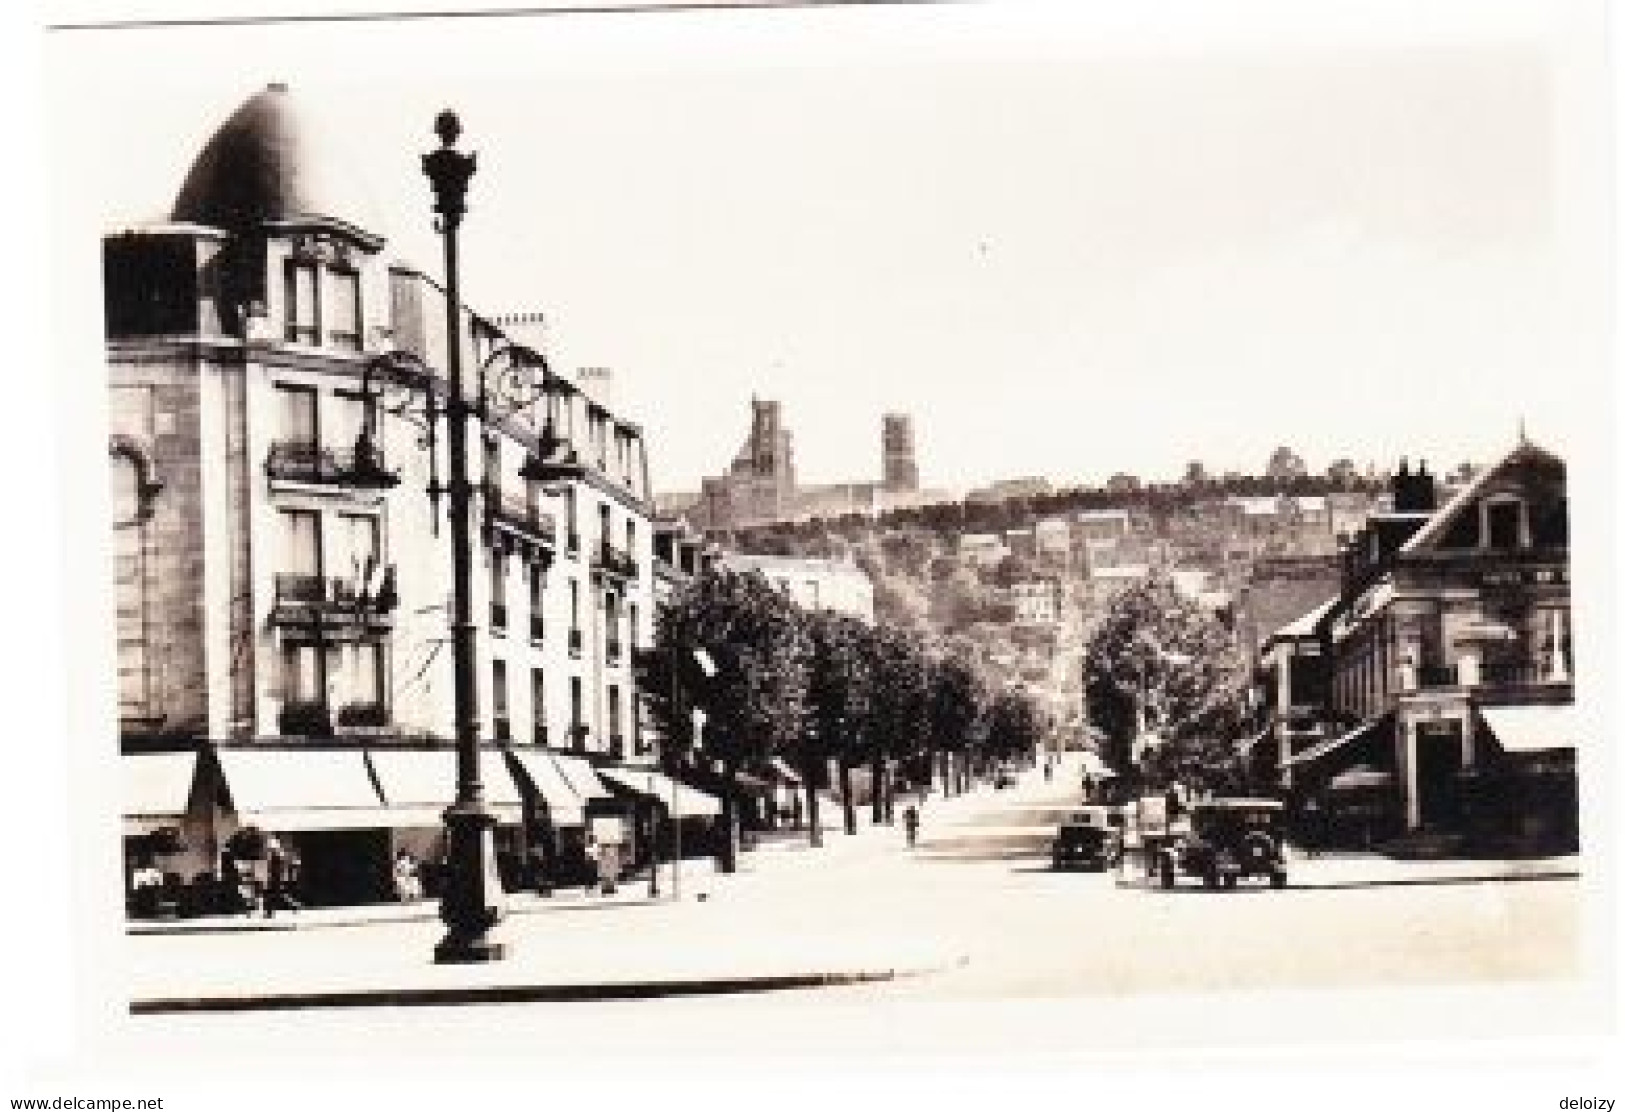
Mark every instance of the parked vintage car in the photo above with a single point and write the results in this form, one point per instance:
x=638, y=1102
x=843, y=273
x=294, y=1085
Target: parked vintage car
x=1090, y=837
x=1226, y=839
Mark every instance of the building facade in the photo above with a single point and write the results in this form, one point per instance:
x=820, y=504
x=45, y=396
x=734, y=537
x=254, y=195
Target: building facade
x=1448, y=678
x=282, y=580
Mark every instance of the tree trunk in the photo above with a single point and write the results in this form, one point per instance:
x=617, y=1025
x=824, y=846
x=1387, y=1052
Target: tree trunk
x=877, y=789
x=810, y=780
x=849, y=811
x=891, y=798
x=728, y=841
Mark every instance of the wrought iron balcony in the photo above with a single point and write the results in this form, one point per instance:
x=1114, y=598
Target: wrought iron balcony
x=303, y=718
x=305, y=461
x=578, y=735
x=363, y=716
x=516, y=512
x=610, y=560
x=300, y=599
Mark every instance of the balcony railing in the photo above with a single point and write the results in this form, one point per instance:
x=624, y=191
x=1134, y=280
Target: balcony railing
x=578, y=735
x=300, y=718
x=1519, y=673
x=515, y=512
x=617, y=747
x=315, y=590
x=306, y=462
x=615, y=561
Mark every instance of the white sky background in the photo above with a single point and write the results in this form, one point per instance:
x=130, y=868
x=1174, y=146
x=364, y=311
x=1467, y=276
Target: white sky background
x=1069, y=242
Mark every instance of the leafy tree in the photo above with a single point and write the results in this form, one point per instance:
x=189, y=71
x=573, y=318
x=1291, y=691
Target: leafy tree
x=955, y=711
x=839, y=692
x=898, y=723
x=1161, y=661
x=755, y=704
x=1014, y=726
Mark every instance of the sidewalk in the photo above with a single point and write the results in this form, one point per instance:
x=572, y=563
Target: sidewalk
x=1362, y=870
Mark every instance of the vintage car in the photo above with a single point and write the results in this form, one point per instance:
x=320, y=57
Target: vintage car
x=1226, y=839
x=1091, y=837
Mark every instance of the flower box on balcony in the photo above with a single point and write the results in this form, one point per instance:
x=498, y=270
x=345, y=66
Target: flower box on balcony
x=305, y=720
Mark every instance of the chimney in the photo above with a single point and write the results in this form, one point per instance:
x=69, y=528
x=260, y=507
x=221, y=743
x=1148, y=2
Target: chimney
x=1414, y=492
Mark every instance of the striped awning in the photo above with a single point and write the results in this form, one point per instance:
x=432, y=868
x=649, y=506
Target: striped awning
x=419, y=784
x=301, y=789
x=683, y=801
x=541, y=771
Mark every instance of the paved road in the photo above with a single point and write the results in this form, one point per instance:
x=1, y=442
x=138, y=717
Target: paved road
x=981, y=883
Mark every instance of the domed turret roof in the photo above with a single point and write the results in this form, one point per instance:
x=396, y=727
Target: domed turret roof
x=271, y=162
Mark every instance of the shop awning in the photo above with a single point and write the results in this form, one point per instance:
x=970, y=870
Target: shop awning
x=156, y=789
x=1094, y=766
x=419, y=784
x=581, y=776
x=683, y=801
x=302, y=789
x=564, y=806
x=1331, y=745
x=1532, y=729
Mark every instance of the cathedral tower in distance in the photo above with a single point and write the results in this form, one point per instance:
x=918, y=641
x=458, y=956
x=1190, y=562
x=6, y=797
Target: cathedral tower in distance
x=898, y=471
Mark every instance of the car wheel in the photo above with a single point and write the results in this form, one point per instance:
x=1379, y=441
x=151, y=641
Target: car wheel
x=1277, y=880
x=1165, y=873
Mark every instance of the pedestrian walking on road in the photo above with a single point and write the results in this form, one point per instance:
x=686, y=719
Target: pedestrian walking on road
x=911, y=824
x=1049, y=770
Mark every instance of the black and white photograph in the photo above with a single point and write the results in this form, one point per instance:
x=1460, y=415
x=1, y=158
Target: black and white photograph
x=605, y=539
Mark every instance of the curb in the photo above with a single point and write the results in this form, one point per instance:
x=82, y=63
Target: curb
x=525, y=994
x=290, y=921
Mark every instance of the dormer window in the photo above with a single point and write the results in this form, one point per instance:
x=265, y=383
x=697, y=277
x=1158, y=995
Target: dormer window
x=1506, y=523
x=301, y=299
x=344, y=327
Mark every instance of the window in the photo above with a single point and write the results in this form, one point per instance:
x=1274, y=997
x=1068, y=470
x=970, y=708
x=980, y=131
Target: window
x=614, y=713
x=302, y=537
x=493, y=465
x=304, y=677
x=575, y=606
x=631, y=537
x=573, y=536
x=1505, y=523
x=499, y=698
x=632, y=625
x=348, y=413
x=499, y=591
x=538, y=626
x=344, y=325
x=603, y=524
x=298, y=406
x=577, y=727
x=355, y=549
x=538, y=705
x=300, y=292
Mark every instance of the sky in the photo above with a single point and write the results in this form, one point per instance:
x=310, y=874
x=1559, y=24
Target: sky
x=1068, y=240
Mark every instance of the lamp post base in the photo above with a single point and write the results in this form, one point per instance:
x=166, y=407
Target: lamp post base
x=473, y=901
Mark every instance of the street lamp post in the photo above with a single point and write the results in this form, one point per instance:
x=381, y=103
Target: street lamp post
x=472, y=902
